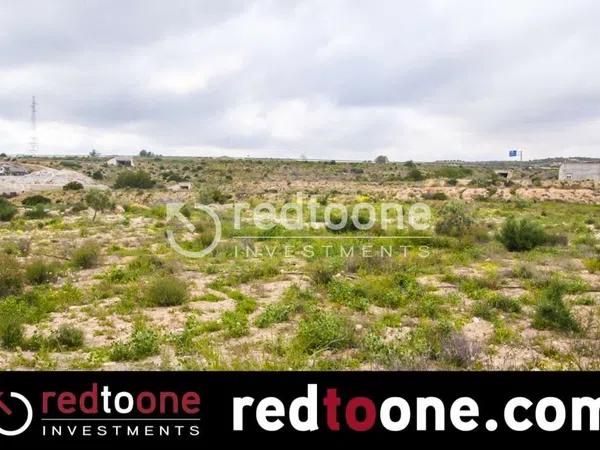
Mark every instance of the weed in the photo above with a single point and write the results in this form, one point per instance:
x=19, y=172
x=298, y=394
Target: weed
x=143, y=343
x=324, y=331
x=273, y=314
x=235, y=323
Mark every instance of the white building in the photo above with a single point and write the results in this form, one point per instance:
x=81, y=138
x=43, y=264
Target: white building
x=579, y=171
x=120, y=161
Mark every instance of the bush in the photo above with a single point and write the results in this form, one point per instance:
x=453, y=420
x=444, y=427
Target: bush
x=455, y=220
x=414, y=174
x=68, y=337
x=142, y=344
x=34, y=200
x=435, y=196
x=321, y=272
x=86, y=256
x=324, y=331
x=73, y=186
x=459, y=350
x=134, y=179
x=521, y=235
x=98, y=175
x=40, y=271
x=11, y=276
x=213, y=195
x=551, y=312
x=453, y=172
x=71, y=164
x=37, y=212
x=7, y=210
x=167, y=291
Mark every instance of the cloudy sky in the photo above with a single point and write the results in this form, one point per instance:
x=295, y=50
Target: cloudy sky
x=419, y=80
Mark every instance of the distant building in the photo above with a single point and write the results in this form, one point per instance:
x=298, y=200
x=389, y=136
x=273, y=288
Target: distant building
x=120, y=161
x=506, y=174
x=12, y=169
x=579, y=171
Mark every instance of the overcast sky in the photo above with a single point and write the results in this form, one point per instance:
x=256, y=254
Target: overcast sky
x=421, y=80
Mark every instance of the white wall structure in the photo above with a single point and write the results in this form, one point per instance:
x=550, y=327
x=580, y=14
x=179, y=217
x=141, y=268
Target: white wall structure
x=120, y=161
x=579, y=171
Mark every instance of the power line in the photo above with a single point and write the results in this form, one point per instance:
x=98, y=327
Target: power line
x=33, y=145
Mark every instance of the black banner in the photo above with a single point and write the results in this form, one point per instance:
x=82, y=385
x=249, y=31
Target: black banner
x=87, y=408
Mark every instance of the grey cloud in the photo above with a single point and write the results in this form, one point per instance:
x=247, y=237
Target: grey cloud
x=338, y=78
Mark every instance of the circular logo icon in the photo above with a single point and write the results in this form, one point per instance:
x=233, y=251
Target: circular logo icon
x=174, y=212
x=6, y=410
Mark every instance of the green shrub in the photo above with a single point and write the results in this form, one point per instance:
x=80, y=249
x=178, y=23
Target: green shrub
x=71, y=164
x=273, y=314
x=11, y=333
x=322, y=271
x=68, y=337
x=213, y=195
x=11, y=276
x=40, y=271
x=143, y=343
x=34, y=200
x=86, y=256
x=235, y=323
x=521, y=235
x=7, y=210
x=208, y=297
x=73, y=186
x=97, y=175
x=455, y=220
x=134, y=179
x=435, y=196
x=414, y=174
x=551, y=312
x=166, y=291
x=324, y=331
x=453, y=172
x=592, y=265
x=37, y=212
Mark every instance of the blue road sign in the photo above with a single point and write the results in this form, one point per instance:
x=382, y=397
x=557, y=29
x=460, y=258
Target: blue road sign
x=512, y=153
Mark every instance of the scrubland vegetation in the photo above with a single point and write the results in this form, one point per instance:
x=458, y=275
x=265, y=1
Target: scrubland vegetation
x=506, y=277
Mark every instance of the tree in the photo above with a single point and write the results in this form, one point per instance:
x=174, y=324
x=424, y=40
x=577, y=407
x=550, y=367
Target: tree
x=94, y=153
x=382, y=159
x=98, y=200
